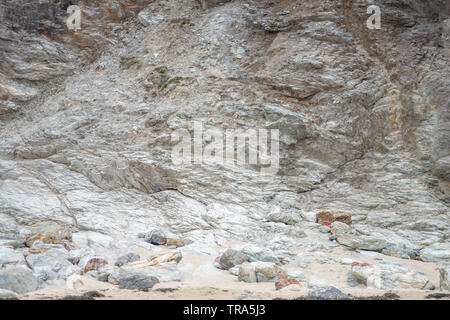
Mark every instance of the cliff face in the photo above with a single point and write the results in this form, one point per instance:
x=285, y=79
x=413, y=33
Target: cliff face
x=86, y=120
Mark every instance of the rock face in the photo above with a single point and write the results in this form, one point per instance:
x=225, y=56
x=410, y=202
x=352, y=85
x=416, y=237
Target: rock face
x=18, y=279
x=87, y=120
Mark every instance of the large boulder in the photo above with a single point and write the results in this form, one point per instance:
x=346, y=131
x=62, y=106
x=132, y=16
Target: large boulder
x=389, y=276
x=126, y=258
x=51, y=265
x=18, y=279
x=363, y=242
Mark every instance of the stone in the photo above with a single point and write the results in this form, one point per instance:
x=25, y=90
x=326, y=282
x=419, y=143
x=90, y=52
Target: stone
x=157, y=237
x=7, y=295
x=18, y=279
x=342, y=217
x=389, y=276
x=256, y=253
x=280, y=284
x=10, y=256
x=261, y=272
x=231, y=258
x=338, y=228
x=437, y=252
x=140, y=282
x=51, y=265
x=326, y=293
x=364, y=242
x=247, y=272
x=444, y=273
x=235, y=270
x=76, y=255
x=176, y=242
x=159, y=258
x=126, y=258
x=325, y=218
x=102, y=273
x=95, y=264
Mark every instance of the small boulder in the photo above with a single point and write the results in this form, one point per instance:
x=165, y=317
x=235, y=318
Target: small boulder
x=18, y=279
x=231, y=258
x=157, y=237
x=261, y=272
x=95, y=264
x=325, y=293
x=138, y=281
x=279, y=284
x=126, y=258
x=445, y=278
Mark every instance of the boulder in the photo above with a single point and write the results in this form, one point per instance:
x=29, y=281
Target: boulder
x=364, y=242
x=444, y=278
x=325, y=293
x=141, y=282
x=51, y=265
x=325, y=218
x=10, y=256
x=231, y=258
x=437, y=252
x=7, y=295
x=157, y=237
x=389, y=276
x=280, y=284
x=256, y=253
x=95, y=264
x=126, y=258
x=18, y=279
x=159, y=258
x=102, y=273
x=338, y=228
x=260, y=272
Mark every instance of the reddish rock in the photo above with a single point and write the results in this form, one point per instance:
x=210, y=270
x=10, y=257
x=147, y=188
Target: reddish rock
x=325, y=217
x=280, y=284
x=95, y=264
x=342, y=217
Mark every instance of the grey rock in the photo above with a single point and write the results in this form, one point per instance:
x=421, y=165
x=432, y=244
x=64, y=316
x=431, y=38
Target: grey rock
x=156, y=237
x=18, y=279
x=390, y=276
x=10, y=256
x=326, y=293
x=437, y=252
x=260, y=272
x=7, y=294
x=444, y=272
x=363, y=242
x=103, y=273
x=139, y=281
x=126, y=258
x=231, y=258
x=51, y=265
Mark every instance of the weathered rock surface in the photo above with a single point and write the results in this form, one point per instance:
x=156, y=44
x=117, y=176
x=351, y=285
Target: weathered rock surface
x=326, y=293
x=10, y=256
x=18, y=279
x=260, y=272
x=388, y=276
x=140, y=281
x=231, y=258
x=7, y=294
x=51, y=265
x=126, y=258
x=86, y=120
x=444, y=278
